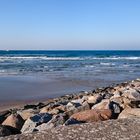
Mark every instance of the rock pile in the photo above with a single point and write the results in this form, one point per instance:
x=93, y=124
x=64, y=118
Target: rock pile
x=113, y=102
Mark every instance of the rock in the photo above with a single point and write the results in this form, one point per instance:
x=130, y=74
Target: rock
x=122, y=129
x=107, y=95
x=118, y=100
x=94, y=99
x=14, y=120
x=4, y=115
x=54, y=111
x=25, y=114
x=34, y=121
x=71, y=105
x=61, y=108
x=84, y=107
x=71, y=121
x=57, y=120
x=107, y=104
x=92, y=115
x=130, y=113
x=131, y=94
x=78, y=101
x=135, y=104
x=30, y=107
x=36, y=106
x=4, y=131
x=104, y=104
x=117, y=94
x=44, y=109
x=85, y=98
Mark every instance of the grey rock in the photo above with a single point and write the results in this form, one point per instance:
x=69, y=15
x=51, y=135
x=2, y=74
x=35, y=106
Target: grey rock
x=34, y=121
x=57, y=120
x=84, y=107
x=78, y=101
x=131, y=94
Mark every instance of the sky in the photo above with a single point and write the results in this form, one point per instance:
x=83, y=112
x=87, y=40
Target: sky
x=69, y=24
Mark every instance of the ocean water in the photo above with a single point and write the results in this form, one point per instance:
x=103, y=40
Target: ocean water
x=38, y=75
x=76, y=64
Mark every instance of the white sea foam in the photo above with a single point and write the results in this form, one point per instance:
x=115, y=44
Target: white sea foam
x=3, y=58
x=107, y=64
x=41, y=57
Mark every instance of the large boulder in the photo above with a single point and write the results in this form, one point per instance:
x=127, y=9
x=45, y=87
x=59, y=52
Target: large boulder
x=104, y=104
x=14, y=120
x=34, y=121
x=107, y=104
x=94, y=99
x=130, y=113
x=93, y=115
x=78, y=101
x=44, y=109
x=72, y=105
x=25, y=114
x=4, y=115
x=57, y=120
x=85, y=106
x=131, y=94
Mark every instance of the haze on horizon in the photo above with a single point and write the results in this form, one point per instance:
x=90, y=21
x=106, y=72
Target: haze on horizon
x=69, y=24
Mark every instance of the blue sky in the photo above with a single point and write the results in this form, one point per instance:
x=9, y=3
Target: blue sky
x=69, y=24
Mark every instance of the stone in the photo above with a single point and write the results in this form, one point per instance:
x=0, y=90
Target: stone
x=54, y=111
x=72, y=105
x=131, y=94
x=30, y=107
x=130, y=113
x=25, y=114
x=4, y=131
x=94, y=99
x=61, y=108
x=34, y=121
x=104, y=104
x=4, y=115
x=85, y=106
x=122, y=129
x=107, y=104
x=118, y=100
x=44, y=109
x=93, y=115
x=135, y=104
x=72, y=121
x=57, y=120
x=117, y=94
x=107, y=95
x=14, y=120
x=78, y=101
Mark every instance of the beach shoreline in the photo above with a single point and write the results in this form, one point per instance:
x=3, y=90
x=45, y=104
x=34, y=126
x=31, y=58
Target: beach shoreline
x=65, y=86
x=31, y=90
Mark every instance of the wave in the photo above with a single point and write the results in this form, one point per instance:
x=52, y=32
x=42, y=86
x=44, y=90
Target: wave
x=3, y=58
x=39, y=57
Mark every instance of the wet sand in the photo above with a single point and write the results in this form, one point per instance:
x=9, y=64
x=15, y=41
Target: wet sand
x=19, y=90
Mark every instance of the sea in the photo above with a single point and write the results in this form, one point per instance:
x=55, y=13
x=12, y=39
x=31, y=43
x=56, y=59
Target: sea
x=65, y=71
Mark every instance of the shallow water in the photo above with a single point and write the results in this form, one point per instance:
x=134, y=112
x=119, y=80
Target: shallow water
x=34, y=75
